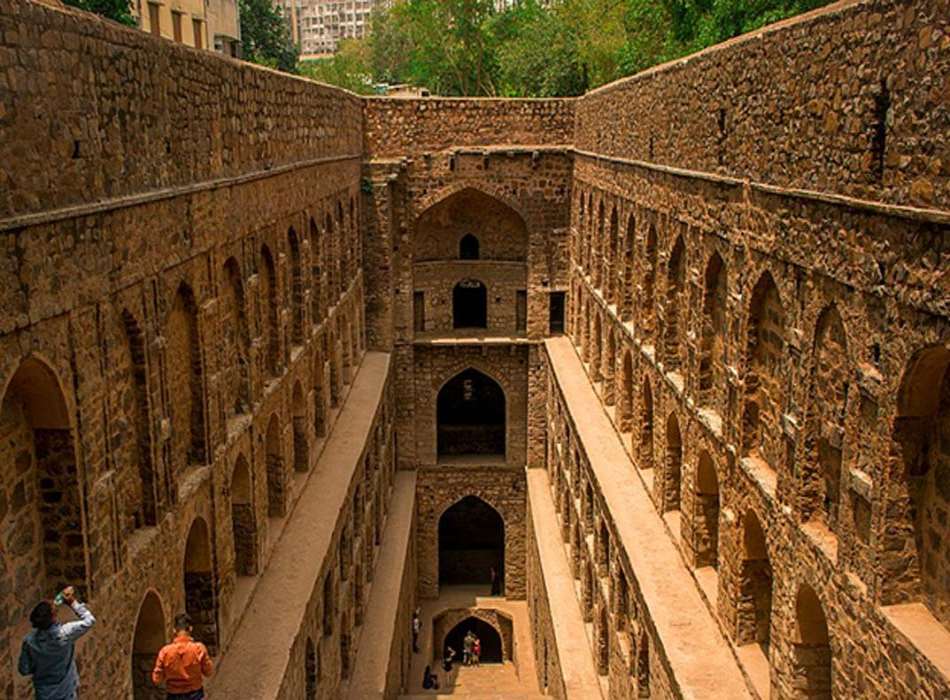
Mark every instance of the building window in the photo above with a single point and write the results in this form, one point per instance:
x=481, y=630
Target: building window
x=419, y=311
x=154, y=21
x=199, y=37
x=556, y=313
x=521, y=310
x=468, y=247
x=176, y=25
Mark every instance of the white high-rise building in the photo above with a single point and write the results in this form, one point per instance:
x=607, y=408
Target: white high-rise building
x=319, y=25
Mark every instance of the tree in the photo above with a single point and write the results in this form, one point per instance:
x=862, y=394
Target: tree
x=118, y=10
x=348, y=68
x=265, y=36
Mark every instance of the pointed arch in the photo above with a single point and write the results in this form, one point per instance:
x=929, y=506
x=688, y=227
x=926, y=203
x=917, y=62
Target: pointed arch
x=611, y=262
x=674, y=464
x=268, y=276
x=765, y=344
x=471, y=410
x=147, y=639
x=146, y=513
x=674, y=311
x=300, y=432
x=610, y=366
x=754, y=605
x=275, y=469
x=914, y=534
x=39, y=461
x=645, y=451
x=243, y=519
x=201, y=602
x=186, y=383
x=627, y=290
x=821, y=472
x=471, y=538
x=705, y=520
x=712, y=390
x=319, y=394
x=812, y=658
x=237, y=340
x=648, y=304
x=625, y=403
x=296, y=287
x=316, y=273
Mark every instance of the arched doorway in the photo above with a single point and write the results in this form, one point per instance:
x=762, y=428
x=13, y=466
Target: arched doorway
x=491, y=652
x=706, y=513
x=471, y=544
x=470, y=304
x=42, y=486
x=921, y=462
x=468, y=247
x=149, y=638
x=812, y=651
x=200, y=594
x=755, y=587
x=471, y=416
x=243, y=521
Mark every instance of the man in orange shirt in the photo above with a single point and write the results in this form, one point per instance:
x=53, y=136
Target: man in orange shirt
x=182, y=664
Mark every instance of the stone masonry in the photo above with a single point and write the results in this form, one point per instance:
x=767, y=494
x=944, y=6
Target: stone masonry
x=681, y=344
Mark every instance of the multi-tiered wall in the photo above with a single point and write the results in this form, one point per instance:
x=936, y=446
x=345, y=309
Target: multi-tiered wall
x=738, y=452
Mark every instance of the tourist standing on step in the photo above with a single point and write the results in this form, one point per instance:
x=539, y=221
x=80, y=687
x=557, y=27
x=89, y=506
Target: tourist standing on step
x=447, y=659
x=48, y=653
x=467, y=648
x=476, y=651
x=416, y=628
x=183, y=664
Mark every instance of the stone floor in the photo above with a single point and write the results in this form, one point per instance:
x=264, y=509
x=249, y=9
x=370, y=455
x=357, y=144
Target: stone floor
x=511, y=681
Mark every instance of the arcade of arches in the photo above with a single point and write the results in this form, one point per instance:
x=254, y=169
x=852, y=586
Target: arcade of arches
x=651, y=410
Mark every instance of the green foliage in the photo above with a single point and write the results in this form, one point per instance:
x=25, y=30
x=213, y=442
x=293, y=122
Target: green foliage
x=348, y=68
x=539, y=49
x=118, y=10
x=265, y=36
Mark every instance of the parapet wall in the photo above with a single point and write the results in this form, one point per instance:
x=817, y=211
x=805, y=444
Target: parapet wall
x=849, y=99
x=403, y=126
x=100, y=111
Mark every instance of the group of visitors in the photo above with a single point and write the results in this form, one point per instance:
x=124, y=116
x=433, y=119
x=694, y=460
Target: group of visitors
x=48, y=654
x=471, y=649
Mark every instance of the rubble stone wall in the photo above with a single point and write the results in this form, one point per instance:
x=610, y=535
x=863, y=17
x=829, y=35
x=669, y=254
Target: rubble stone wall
x=846, y=100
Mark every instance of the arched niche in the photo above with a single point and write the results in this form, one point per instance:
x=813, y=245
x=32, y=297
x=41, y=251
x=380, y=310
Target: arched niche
x=492, y=648
x=470, y=417
x=501, y=232
x=43, y=532
x=149, y=636
x=200, y=589
x=471, y=544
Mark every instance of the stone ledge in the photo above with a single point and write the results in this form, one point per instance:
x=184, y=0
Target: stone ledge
x=379, y=636
x=577, y=664
x=281, y=599
x=687, y=636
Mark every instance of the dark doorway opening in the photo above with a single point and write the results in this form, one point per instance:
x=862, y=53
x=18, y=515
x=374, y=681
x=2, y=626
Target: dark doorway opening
x=556, y=313
x=468, y=247
x=471, y=545
x=470, y=413
x=487, y=635
x=470, y=305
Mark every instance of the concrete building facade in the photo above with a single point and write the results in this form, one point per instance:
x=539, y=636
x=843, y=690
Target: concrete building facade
x=647, y=387
x=318, y=26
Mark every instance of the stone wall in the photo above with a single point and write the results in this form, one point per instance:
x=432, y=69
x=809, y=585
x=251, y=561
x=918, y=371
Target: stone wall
x=90, y=126
x=768, y=389
x=176, y=287
x=396, y=127
x=843, y=100
x=438, y=488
